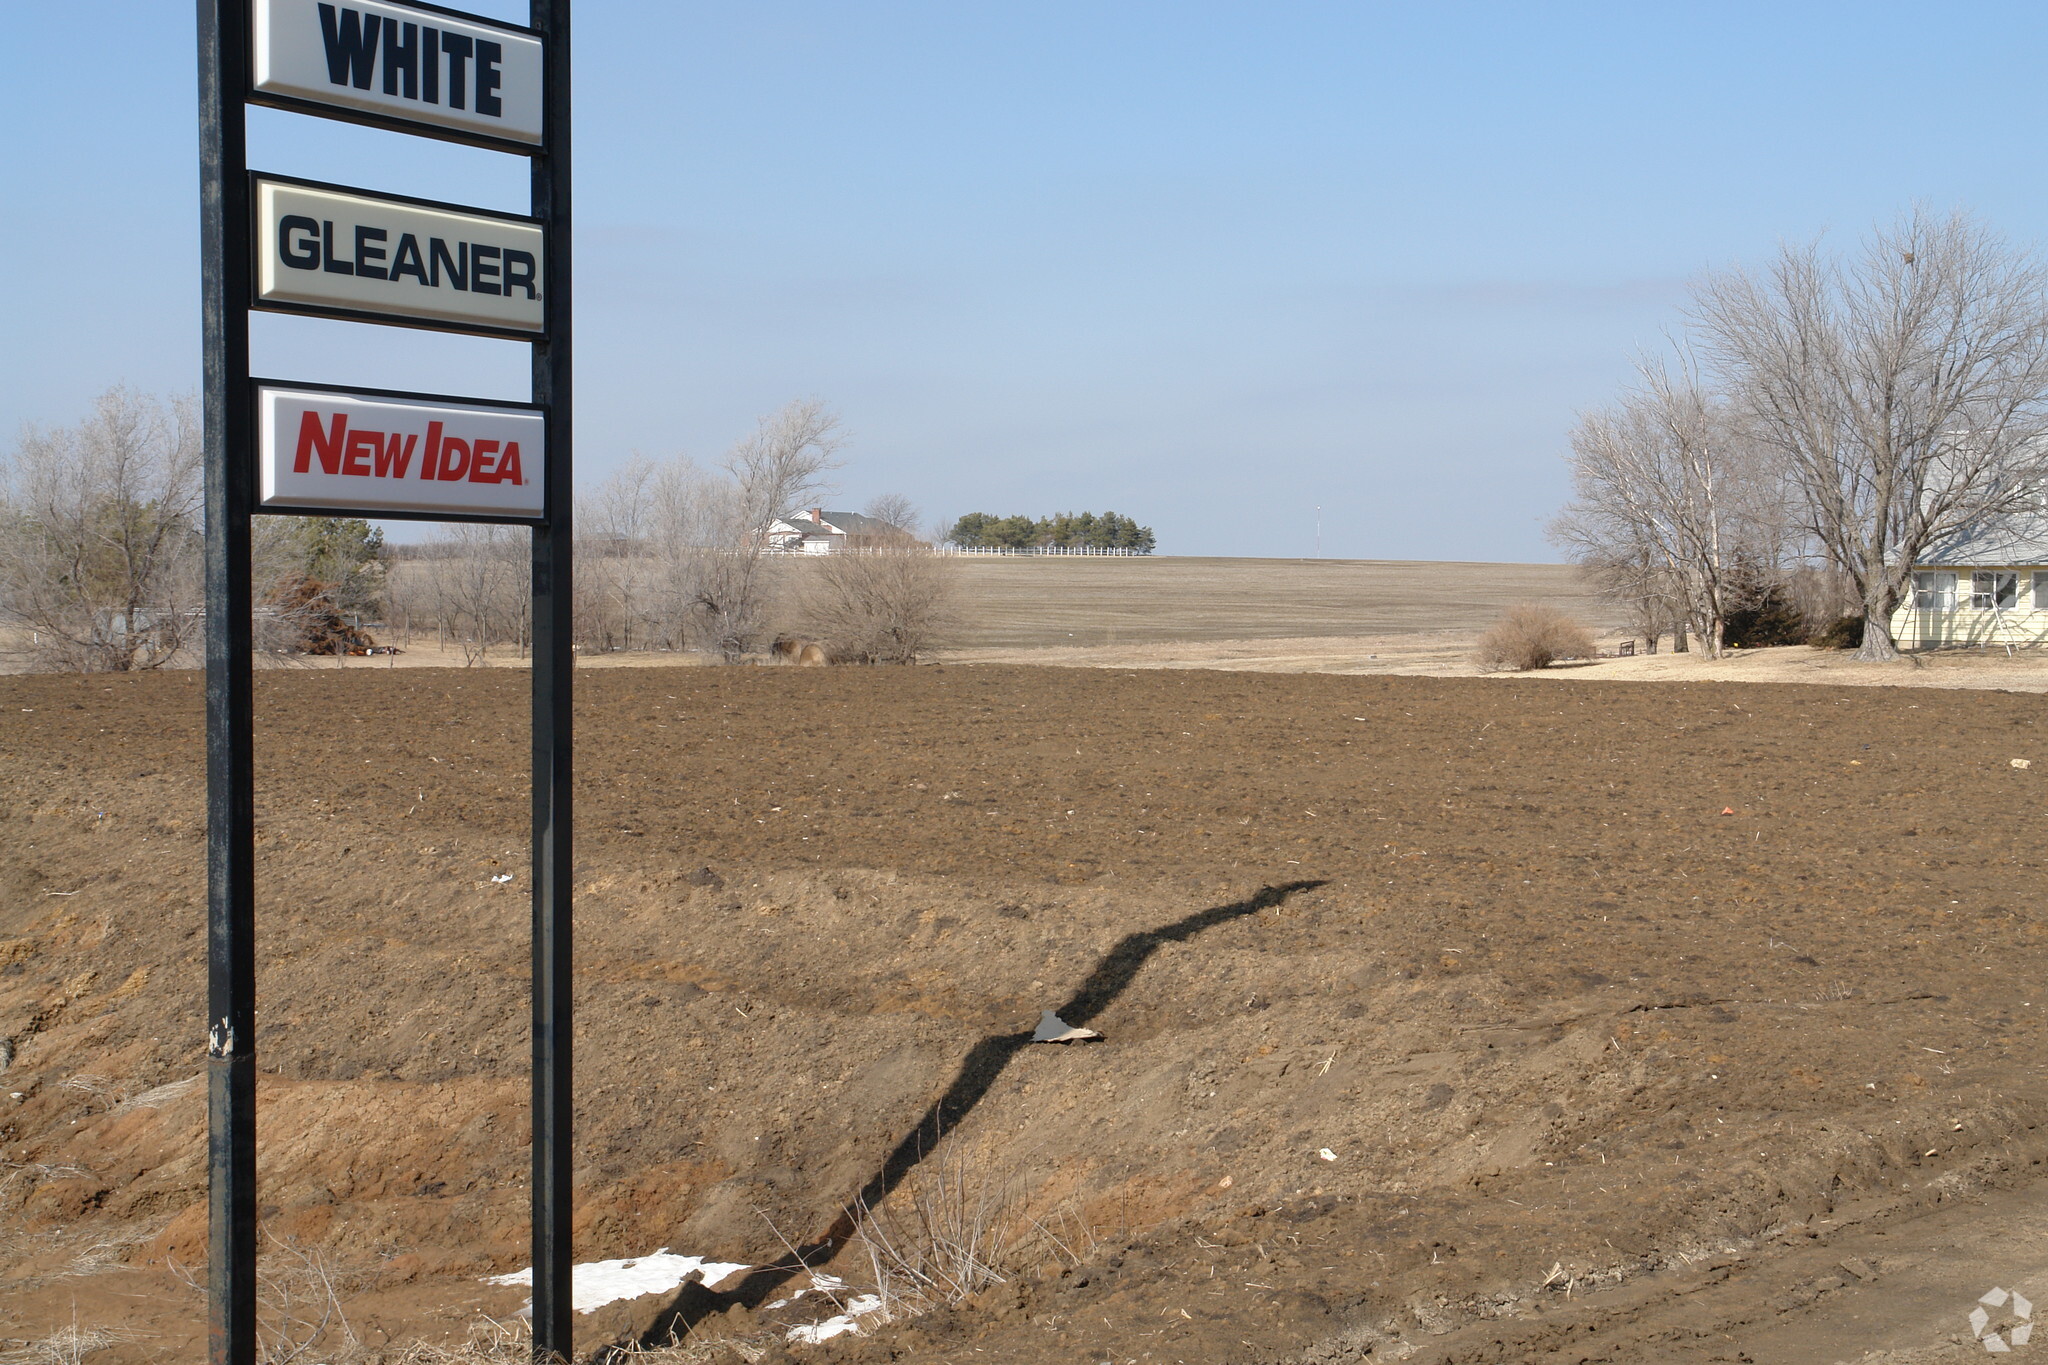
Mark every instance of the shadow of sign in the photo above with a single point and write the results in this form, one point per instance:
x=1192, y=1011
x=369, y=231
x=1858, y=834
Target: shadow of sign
x=978, y=1072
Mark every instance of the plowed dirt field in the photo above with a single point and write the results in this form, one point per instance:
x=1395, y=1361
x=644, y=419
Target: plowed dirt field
x=1444, y=1019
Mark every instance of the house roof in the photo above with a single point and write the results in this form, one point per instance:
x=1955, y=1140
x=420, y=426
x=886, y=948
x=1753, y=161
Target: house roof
x=850, y=523
x=2017, y=539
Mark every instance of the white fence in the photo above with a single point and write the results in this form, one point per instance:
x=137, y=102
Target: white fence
x=951, y=549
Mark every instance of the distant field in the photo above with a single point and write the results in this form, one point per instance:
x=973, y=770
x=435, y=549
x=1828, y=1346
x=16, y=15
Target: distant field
x=1402, y=615
x=1028, y=601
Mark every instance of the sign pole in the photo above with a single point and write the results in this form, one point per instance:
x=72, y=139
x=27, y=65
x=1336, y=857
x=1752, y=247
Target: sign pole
x=270, y=242
x=553, y=682
x=230, y=769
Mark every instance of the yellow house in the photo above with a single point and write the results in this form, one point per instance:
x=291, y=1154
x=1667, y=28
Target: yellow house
x=1986, y=587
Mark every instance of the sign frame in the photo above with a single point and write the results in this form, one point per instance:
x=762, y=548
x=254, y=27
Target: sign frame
x=258, y=383
x=227, y=253
x=322, y=310
x=348, y=113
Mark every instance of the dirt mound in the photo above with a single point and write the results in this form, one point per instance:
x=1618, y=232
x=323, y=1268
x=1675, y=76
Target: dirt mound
x=1429, y=1006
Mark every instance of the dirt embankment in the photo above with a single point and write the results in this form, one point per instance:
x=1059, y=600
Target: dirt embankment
x=1429, y=1004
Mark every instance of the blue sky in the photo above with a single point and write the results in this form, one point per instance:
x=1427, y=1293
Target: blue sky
x=1207, y=264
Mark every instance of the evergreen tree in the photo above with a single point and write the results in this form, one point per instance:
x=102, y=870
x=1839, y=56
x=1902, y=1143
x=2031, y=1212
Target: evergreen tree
x=1062, y=530
x=345, y=555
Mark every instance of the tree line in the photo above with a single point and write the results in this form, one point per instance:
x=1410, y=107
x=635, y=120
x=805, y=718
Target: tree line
x=1818, y=426
x=101, y=556
x=1065, y=530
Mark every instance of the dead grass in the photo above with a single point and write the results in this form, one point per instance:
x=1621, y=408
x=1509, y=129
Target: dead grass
x=299, y=1317
x=1080, y=601
x=490, y=1342
x=68, y=1345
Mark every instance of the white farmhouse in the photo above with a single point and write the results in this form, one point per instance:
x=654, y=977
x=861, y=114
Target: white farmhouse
x=1987, y=586
x=818, y=532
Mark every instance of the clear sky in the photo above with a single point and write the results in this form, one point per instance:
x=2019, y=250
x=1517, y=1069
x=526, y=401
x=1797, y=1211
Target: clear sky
x=1207, y=264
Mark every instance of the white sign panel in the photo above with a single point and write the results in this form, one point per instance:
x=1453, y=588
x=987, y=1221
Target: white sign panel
x=330, y=249
x=345, y=452
x=403, y=63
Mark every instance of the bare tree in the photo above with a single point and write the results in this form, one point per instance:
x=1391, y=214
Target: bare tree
x=670, y=554
x=689, y=512
x=879, y=606
x=100, y=536
x=478, y=588
x=612, y=525
x=780, y=466
x=896, y=511
x=1906, y=390
x=1635, y=581
x=1664, y=479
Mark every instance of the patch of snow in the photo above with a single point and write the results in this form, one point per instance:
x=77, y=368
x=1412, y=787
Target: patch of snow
x=597, y=1283
x=846, y=1322
x=821, y=1283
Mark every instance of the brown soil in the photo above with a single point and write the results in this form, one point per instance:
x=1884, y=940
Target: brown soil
x=1626, y=1013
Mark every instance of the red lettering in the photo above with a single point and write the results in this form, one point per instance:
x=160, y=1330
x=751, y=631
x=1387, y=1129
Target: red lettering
x=361, y=445
x=484, y=468
x=454, y=458
x=327, y=445
x=508, y=467
x=392, y=461
x=433, y=454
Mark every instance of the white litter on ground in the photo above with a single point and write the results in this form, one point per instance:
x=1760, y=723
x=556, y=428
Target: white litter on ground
x=1053, y=1029
x=849, y=1321
x=594, y=1284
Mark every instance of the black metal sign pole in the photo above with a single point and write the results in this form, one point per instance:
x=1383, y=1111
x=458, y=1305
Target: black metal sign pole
x=227, y=220
x=230, y=771
x=553, y=677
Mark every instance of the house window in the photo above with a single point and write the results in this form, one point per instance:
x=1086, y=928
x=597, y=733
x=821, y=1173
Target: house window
x=1934, y=591
x=2041, y=590
x=1994, y=590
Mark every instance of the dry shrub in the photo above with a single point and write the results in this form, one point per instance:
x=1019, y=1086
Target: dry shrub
x=309, y=621
x=946, y=1236
x=1532, y=636
x=299, y=1317
x=960, y=1223
x=794, y=649
x=878, y=606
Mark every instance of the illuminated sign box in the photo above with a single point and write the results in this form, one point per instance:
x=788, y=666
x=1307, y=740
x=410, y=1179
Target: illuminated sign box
x=372, y=453
x=344, y=253
x=439, y=72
